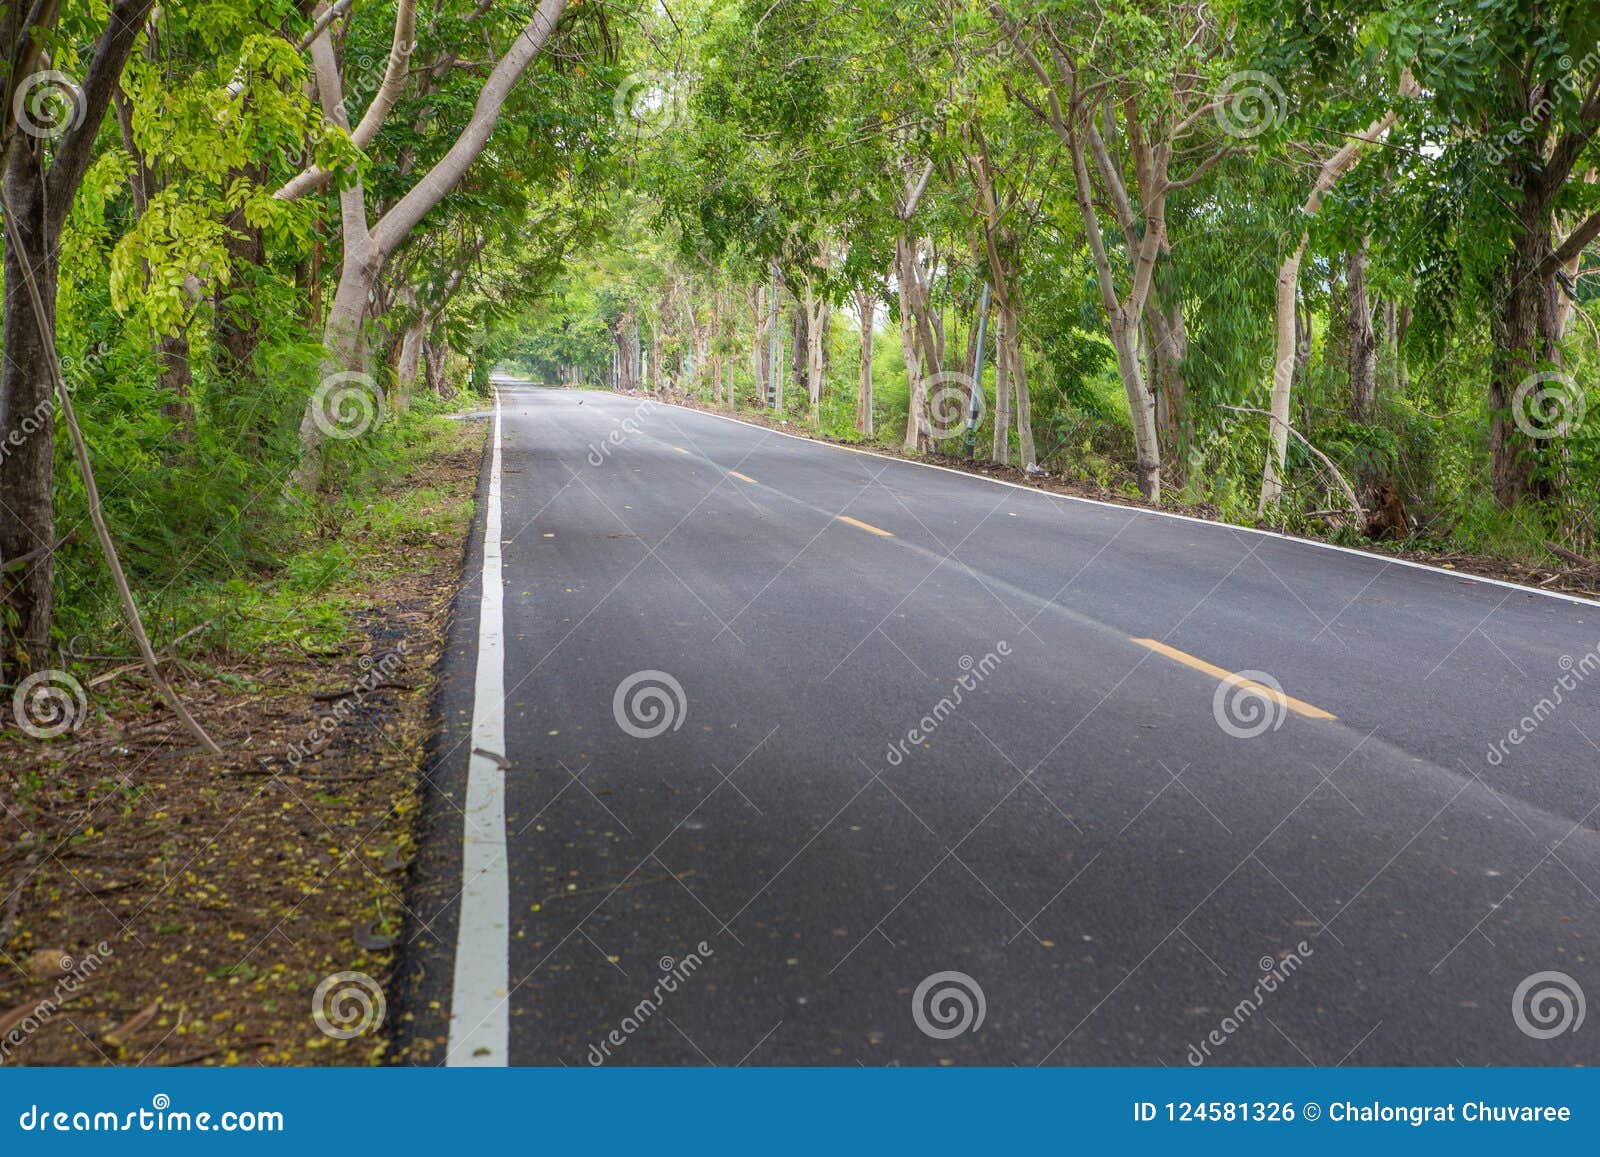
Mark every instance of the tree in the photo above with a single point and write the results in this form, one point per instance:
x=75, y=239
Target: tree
x=1155, y=121
x=45, y=150
x=369, y=244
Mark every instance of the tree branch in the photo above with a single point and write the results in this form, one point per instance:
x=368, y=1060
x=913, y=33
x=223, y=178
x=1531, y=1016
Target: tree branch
x=321, y=26
x=76, y=147
x=393, y=226
x=1577, y=241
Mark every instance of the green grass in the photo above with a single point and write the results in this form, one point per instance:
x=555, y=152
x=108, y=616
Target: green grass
x=306, y=596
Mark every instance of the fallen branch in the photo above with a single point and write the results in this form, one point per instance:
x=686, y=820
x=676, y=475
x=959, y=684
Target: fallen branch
x=335, y=696
x=91, y=492
x=1349, y=491
x=1571, y=556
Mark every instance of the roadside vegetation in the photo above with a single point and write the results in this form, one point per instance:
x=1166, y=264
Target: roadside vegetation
x=1330, y=267
x=163, y=906
x=1325, y=267
x=1316, y=267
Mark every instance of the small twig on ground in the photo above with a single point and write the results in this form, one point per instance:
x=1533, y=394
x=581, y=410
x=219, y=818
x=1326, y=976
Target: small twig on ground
x=167, y=655
x=345, y=693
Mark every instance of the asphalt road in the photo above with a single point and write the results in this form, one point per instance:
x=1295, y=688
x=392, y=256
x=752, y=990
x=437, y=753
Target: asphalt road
x=1105, y=837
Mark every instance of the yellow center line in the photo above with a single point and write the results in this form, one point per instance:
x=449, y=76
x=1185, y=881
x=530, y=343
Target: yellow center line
x=680, y=449
x=1298, y=706
x=866, y=526
x=742, y=477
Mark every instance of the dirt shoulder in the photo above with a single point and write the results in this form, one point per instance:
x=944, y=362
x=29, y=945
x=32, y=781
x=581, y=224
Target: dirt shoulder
x=1559, y=576
x=161, y=907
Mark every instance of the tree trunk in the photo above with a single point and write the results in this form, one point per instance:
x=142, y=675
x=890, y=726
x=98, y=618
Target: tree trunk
x=405, y=371
x=1363, y=340
x=1141, y=406
x=626, y=335
x=237, y=329
x=366, y=249
x=1402, y=323
x=1336, y=338
x=177, y=383
x=866, y=312
x=1169, y=353
x=433, y=357
x=1283, y=363
x=1525, y=321
x=760, y=346
x=1002, y=392
x=917, y=340
x=1122, y=318
x=27, y=459
x=39, y=198
x=816, y=347
x=1026, y=457
x=344, y=345
x=775, y=348
x=1288, y=289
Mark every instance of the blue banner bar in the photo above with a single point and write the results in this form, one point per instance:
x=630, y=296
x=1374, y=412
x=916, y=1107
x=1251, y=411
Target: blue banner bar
x=813, y=1111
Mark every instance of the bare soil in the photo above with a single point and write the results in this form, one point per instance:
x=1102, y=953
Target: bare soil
x=162, y=907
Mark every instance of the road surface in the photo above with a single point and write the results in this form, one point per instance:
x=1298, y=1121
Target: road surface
x=816, y=757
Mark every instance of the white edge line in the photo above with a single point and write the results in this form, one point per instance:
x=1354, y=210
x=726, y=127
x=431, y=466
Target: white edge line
x=1312, y=542
x=479, y=1018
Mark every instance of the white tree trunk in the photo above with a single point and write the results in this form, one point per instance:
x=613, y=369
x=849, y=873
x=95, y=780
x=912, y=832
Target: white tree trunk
x=816, y=339
x=365, y=250
x=1283, y=362
x=1123, y=321
x=1288, y=286
x=1002, y=393
x=1027, y=456
x=405, y=373
x=919, y=429
x=866, y=311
